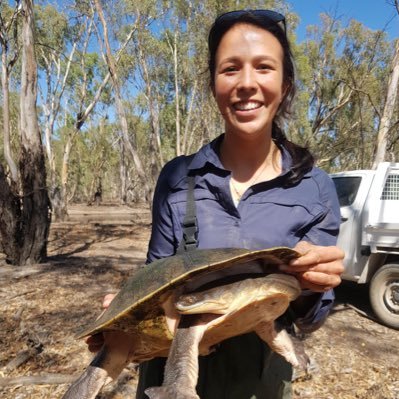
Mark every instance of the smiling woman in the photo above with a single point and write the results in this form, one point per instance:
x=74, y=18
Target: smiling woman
x=250, y=188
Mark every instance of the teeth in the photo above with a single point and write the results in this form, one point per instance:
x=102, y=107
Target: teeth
x=247, y=106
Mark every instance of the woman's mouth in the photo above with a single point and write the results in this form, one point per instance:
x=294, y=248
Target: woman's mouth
x=247, y=105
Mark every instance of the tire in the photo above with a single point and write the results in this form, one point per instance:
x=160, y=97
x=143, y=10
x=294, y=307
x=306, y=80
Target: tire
x=384, y=295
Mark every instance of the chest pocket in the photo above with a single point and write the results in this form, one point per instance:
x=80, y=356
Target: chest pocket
x=277, y=221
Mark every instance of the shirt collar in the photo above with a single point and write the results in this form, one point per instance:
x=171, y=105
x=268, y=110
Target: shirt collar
x=210, y=154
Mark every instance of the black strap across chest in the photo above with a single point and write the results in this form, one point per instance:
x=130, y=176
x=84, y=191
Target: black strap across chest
x=189, y=241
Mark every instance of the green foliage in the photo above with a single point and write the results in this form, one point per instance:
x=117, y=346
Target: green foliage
x=52, y=29
x=342, y=73
x=343, y=78
x=94, y=160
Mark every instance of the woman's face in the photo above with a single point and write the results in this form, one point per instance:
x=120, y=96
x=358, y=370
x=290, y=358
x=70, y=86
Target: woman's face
x=248, y=80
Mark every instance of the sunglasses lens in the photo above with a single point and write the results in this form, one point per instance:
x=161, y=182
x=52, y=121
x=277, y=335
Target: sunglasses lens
x=269, y=15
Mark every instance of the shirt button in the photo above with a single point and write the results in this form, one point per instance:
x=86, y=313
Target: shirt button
x=237, y=223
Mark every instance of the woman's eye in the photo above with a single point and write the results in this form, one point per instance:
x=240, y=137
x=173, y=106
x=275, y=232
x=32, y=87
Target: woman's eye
x=264, y=67
x=230, y=68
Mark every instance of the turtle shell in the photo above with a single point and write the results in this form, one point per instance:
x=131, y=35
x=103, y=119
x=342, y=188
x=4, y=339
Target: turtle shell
x=140, y=306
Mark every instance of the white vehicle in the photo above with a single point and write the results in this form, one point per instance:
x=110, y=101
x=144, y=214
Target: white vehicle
x=369, y=234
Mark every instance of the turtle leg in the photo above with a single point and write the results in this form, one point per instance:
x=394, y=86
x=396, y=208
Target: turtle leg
x=282, y=343
x=181, y=370
x=105, y=366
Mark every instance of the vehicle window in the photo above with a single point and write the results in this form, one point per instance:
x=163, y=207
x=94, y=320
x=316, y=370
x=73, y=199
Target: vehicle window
x=391, y=188
x=347, y=188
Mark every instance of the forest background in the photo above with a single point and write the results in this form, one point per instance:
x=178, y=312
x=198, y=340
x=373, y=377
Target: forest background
x=122, y=87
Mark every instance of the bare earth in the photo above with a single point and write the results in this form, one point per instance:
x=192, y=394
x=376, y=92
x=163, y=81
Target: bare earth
x=90, y=255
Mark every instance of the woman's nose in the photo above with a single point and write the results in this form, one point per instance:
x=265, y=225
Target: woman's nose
x=247, y=79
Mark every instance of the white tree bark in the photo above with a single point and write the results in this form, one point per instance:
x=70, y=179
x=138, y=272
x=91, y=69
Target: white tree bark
x=5, y=77
x=30, y=133
x=386, y=118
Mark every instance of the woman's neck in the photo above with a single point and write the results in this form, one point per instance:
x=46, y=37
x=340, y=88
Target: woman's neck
x=247, y=158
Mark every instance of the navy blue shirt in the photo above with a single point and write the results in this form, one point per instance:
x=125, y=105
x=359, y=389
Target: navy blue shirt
x=268, y=214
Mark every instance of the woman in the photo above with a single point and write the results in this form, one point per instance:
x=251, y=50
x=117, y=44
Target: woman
x=253, y=189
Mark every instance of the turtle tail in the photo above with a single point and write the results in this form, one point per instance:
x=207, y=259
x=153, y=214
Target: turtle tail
x=89, y=384
x=168, y=392
x=105, y=366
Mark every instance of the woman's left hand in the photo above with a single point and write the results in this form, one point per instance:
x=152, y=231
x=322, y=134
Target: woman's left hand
x=319, y=268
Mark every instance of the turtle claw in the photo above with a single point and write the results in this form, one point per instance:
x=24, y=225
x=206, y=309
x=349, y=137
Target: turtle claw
x=170, y=392
x=278, y=339
x=302, y=359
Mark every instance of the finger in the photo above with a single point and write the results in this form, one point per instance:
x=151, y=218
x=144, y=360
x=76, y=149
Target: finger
x=322, y=281
x=335, y=267
x=318, y=255
x=312, y=254
x=107, y=300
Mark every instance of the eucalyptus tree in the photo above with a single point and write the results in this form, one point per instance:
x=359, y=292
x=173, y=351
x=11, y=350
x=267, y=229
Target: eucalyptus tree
x=24, y=220
x=94, y=162
x=57, y=41
x=88, y=85
x=120, y=109
x=345, y=74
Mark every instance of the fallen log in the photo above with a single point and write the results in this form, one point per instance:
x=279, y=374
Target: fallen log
x=34, y=348
x=43, y=379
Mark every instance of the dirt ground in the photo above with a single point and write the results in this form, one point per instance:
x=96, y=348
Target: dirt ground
x=90, y=255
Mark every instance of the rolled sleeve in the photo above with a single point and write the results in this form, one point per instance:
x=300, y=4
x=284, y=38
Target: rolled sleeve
x=316, y=315
x=323, y=232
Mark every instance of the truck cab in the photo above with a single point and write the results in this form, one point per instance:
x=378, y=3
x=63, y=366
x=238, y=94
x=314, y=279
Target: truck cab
x=369, y=234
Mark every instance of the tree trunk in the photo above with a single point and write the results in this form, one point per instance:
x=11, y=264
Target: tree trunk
x=120, y=109
x=10, y=220
x=177, y=94
x=386, y=118
x=24, y=219
x=51, y=110
x=62, y=208
x=35, y=201
x=122, y=173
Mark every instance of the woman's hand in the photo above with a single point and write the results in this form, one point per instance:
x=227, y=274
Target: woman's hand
x=95, y=342
x=319, y=268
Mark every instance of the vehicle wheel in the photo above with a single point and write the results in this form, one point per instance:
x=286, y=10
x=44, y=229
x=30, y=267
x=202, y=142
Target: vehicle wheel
x=384, y=295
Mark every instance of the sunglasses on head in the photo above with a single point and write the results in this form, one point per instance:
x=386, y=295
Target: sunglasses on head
x=268, y=15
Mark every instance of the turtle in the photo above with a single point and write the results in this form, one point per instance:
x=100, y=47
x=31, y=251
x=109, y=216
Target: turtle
x=183, y=306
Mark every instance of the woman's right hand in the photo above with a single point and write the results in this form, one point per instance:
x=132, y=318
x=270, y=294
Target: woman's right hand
x=96, y=341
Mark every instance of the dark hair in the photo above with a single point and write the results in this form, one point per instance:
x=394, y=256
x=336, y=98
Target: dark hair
x=268, y=20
